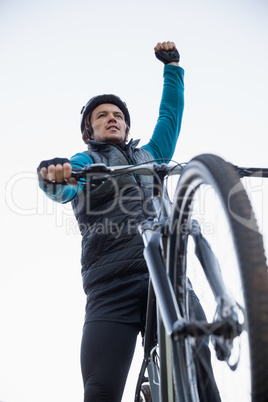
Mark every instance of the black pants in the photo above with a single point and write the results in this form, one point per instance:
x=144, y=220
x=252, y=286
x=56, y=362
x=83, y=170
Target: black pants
x=106, y=354
x=107, y=351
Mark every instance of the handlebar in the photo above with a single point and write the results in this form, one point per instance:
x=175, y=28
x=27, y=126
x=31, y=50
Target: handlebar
x=103, y=171
x=256, y=172
x=100, y=170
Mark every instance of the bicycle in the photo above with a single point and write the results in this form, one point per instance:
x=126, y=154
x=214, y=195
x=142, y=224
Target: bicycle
x=180, y=259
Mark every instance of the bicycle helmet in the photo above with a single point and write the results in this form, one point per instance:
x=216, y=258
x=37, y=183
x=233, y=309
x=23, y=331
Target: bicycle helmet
x=99, y=100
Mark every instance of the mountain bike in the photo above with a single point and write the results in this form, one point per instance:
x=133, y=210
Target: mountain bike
x=204, y=244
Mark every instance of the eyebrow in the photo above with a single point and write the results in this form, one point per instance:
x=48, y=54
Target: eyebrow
x=114, y=112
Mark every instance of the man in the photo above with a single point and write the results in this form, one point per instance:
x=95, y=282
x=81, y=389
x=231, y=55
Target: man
x=115, y=276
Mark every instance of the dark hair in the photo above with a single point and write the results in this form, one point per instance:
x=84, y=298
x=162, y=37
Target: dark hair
x=87, y=133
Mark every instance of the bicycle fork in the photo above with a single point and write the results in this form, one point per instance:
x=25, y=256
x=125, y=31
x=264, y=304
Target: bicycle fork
x=228, y=326
x=171, y=325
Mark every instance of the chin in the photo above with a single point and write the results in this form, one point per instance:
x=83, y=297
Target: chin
x=116, y=141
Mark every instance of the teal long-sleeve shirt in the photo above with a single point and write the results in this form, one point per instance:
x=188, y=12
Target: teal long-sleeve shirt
x=162, y=143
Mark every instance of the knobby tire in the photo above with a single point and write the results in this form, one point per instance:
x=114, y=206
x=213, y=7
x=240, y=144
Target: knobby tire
x=211, y=171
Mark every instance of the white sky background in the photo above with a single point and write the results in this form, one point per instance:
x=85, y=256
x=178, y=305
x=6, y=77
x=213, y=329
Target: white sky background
x=55, y=55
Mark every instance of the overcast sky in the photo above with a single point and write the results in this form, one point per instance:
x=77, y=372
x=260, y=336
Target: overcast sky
x=55, y=55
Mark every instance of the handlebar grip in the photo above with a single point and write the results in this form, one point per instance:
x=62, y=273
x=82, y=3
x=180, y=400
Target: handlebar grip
x=97, y=168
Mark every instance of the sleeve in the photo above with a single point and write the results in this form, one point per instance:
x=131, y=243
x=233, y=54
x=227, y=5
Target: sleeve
x=164, y=139
x=65, y=193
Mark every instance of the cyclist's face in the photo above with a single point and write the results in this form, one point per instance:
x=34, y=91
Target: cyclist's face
x=108, y=124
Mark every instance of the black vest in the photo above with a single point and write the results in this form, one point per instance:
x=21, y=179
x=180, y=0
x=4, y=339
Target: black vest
x=108, y=213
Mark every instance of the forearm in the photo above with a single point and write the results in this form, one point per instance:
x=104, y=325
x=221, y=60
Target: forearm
x=59, y=192
x=163, y=142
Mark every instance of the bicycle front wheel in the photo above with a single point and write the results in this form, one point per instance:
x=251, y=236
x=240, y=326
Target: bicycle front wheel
x=215, y=249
